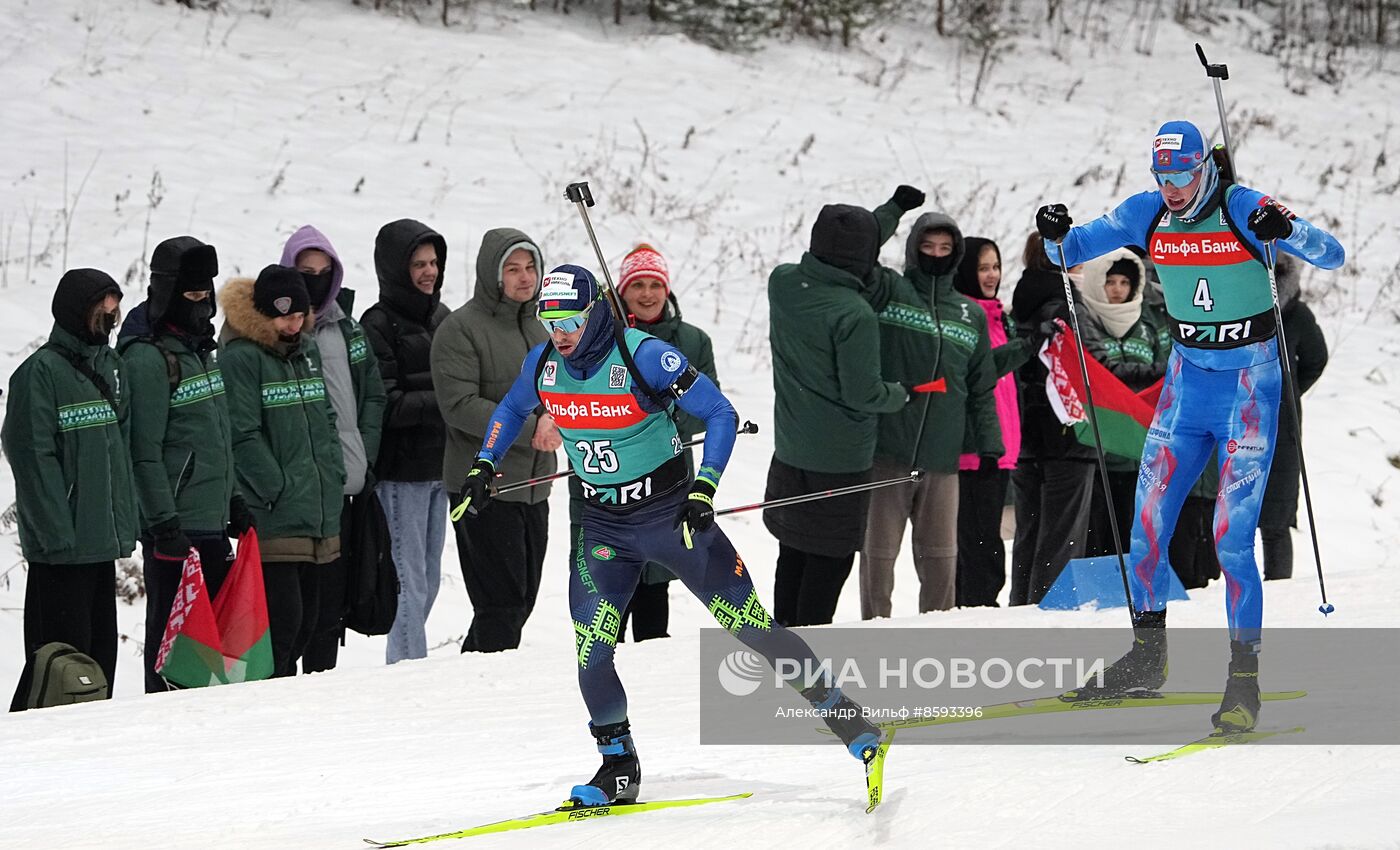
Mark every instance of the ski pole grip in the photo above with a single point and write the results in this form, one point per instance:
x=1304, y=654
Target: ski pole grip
x=1216, y=71
x=748, y=428
x=578, y=193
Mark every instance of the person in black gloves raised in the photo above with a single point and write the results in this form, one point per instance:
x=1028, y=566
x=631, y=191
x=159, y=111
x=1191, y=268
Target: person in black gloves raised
x=828, y=396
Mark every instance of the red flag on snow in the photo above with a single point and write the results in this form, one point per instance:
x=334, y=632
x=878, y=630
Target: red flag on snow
x=241, y=612
x=189, y=652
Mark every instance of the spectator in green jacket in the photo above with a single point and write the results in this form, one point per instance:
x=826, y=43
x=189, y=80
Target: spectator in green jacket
x=181, y=445
x=828, y=395
x=285, y=447
x=355, y=391
x=476, y=356
x=644, y=283
x=65, y=436
x=1120, y=335
x=929, y=332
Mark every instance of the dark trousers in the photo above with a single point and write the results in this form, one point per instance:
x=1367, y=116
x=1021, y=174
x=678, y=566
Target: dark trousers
x=1124, y=486
x=162, y=579
x=649, y=612
x=1278, y=552
x=292, y=607
x=75, y=604
x=333, y=603
x=981, y=553
x=807, y=587
x=1192, y=547
x=502, y=556
x=1052, y=522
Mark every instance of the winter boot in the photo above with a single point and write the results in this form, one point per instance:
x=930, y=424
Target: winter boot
x=1239, y=709
x=1142, y=671
x=620, y=778
x=843, y=717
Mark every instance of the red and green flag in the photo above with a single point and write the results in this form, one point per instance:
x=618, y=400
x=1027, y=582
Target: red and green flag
x=241, y=613
x=1124, y=416
x=190, y=652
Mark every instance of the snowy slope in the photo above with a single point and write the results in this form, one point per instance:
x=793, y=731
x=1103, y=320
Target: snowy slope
x=324, y=113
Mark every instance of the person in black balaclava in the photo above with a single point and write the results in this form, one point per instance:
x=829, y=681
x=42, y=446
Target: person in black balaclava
x=64, y=436
x=181, y=445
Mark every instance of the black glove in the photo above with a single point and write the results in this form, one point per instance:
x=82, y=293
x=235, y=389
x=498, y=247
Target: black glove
x=171, y=544
x=987, y=463
x=1053, y=221
x=1270, y=221
x=240, y=519
x=698, y=513
x=476, y=490
x=1044, y=331
x=907, y=198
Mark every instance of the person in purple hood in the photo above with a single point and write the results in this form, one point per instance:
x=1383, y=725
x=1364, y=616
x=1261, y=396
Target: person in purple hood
x=355, y=391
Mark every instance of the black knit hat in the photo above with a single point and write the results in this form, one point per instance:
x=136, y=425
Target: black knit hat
x=77, y=291
x=280, y=291
x=178, y=265
x=1129, y=269
x=847, y=237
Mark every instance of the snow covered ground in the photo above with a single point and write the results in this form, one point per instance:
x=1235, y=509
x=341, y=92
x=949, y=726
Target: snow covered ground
x=125, y=122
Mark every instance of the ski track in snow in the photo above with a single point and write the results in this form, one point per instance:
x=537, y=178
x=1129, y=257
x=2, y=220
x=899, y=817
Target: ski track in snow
x=327, y=114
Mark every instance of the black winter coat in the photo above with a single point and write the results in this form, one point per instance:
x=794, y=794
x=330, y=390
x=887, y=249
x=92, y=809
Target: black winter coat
x=1038, y=296
x=400, y=328
x=1307, y=349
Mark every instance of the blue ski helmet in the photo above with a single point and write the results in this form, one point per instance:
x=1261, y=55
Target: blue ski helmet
x=1178, y=146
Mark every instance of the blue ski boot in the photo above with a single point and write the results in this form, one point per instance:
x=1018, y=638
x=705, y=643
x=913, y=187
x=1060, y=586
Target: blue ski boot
x=620, y=778
x=843, y=716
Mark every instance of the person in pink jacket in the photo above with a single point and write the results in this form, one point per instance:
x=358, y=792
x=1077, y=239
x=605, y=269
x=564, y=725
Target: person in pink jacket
x=982, y=485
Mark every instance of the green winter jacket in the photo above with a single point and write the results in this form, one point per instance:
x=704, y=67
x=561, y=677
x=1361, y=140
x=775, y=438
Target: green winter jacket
x=476, y=356
x=69, y=452
x=954, y=335
x=285, y=446
x=827, y=388
x=181, y=446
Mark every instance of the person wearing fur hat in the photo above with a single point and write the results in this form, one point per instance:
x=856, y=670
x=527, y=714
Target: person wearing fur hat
x=982, y=486
x=181, y=443
x=1120, y=335
x=929, y=333
x=644, y=284
x=612, y=391
x=476, y=357
x=355, y=390
x=285, y=447
x=828, y=395
x=1308, y=349
x=65, y=437
x=1212, y=241
x=410, y=260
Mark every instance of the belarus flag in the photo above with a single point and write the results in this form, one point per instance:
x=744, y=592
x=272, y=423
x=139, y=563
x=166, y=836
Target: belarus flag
x=1124, y=416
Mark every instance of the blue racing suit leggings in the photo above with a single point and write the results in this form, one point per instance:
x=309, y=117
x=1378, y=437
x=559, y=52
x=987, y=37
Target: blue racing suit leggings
x=612, y=550
x=1236, y=407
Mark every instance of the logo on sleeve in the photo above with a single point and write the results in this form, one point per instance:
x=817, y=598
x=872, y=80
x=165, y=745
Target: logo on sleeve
x=671, y=361
x=617, y=377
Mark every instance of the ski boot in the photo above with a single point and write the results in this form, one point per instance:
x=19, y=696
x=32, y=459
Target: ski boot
x=1239, y=709
x=620, y=778
x=844, y=718
x=1139, y=673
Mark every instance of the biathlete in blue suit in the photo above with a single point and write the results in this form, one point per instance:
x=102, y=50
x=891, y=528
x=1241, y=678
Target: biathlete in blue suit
x=1222, y=387
x=610, y=394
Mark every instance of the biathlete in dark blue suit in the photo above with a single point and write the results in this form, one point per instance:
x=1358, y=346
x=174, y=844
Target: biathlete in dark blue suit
x=1222, y=386
x=611, y=405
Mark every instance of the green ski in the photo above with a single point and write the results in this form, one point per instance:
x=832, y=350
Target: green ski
x=561, y=815
x=875, y=773
x=1056, y=704
x=1213, y=741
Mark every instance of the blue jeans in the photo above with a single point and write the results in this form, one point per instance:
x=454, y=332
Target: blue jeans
x=417, y=515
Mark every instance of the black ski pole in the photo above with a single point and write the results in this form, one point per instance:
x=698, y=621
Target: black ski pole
x=823, y=494
x=1216, y=73
x=746, y=428
x=1098, y=439
x=579, y=195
